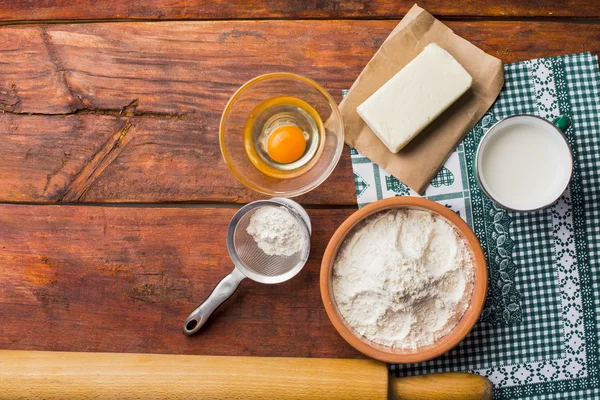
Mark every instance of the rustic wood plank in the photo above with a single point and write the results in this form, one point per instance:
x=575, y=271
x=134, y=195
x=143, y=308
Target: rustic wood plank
x=162, y=86
x=29, y=59
x=41, y=156
x=105, y=158
x=241, y=9
x=124, y=279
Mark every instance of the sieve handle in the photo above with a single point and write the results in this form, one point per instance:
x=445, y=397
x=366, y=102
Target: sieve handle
x=219, y=295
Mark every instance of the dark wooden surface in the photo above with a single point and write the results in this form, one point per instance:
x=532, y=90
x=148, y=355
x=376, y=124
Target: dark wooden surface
x=101, y=114
x=11, y=10
x=129, y=112
x=124, y=279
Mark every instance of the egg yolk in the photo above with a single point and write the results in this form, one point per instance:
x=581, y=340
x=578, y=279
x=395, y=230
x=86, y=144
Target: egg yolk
x=286, y=144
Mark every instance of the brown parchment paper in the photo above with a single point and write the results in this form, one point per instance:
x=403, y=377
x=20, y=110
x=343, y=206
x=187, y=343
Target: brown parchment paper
x=418, y=162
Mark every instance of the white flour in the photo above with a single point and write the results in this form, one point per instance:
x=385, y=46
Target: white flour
x=276, y=231
x=403, y=278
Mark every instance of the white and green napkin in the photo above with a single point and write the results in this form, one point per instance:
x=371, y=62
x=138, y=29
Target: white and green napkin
x=538, y=335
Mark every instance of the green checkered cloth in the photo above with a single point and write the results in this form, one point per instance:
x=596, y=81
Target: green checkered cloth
x=537, y=337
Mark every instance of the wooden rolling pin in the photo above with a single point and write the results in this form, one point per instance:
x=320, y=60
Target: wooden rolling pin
x=79, y=376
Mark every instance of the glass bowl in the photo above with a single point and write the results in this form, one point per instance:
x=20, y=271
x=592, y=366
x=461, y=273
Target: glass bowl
x=237, y=113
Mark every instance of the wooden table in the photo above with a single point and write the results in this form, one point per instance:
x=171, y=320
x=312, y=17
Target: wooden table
x=115, y=200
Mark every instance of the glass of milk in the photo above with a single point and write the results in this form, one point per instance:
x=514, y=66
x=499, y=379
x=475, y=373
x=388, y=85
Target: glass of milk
x=524, y=162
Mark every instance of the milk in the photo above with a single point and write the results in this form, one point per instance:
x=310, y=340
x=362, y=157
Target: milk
x=524, y=163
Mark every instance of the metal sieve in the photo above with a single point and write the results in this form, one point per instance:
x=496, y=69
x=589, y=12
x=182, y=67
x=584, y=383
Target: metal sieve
x=250, y=261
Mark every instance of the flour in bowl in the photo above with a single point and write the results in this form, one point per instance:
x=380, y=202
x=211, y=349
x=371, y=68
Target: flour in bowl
x=276, y=231
x=403, y=278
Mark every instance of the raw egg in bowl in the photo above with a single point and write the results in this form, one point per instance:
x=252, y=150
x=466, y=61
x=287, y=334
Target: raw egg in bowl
x=286, y=144
x=281, y=134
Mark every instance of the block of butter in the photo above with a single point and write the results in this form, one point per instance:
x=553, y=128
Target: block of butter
x=414, y=97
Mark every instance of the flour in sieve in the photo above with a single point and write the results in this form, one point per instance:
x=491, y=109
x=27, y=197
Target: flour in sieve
x=403, y=278
x=276, y=231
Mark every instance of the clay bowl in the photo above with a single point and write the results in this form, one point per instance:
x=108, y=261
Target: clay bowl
x=386, y=353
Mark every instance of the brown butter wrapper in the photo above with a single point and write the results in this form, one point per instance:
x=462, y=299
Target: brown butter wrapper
x=418, y=162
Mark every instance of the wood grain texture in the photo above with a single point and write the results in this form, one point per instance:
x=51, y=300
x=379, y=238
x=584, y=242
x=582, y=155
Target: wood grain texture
x=41, y=84
x=85, y=376
x=129, y=112
x=445, y=385
x=258, y=9
x=123, y=279
x=26, y=375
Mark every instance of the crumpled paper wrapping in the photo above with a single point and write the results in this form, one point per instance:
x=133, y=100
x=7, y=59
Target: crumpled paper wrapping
x=418, y=162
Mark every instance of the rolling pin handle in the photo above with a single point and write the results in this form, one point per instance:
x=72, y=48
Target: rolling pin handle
x=219, y=295
x=442, y=385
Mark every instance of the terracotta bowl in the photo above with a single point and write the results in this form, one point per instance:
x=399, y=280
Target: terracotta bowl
x=386, y=353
